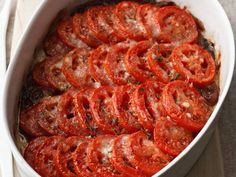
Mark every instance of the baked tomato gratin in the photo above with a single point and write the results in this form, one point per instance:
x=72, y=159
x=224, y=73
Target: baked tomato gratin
x=120, y=89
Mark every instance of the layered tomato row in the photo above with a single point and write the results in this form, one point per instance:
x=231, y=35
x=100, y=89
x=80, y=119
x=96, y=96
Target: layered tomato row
x=126, y=62
x=128, y=87
x=125, y=155
x=116, y=110
x=115, y=23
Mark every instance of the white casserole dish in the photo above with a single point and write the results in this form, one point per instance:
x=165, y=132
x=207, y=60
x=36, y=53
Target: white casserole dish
x=217, y=26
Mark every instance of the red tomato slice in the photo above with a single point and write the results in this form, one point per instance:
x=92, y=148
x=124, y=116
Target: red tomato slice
x=146, y=15
x=153, y=94
x=136, y=61
x=48, y=115
x=194, y=63
x=79, y=159
x=107, y=16
x=32, y=149
x=171, y=138
x=75, y=68
x=67, y=35
x=102, y=110
x=54, y=75
x=160, y=63
x=147, y=103
x=96, y=65
x=38, y=73
x=176, y=25
x=145, y=155
x=98, y=158
x=44, y=164
x=119, y=158
x=185, y=105
x=63, y=158
x=122, y=108
x=82, y=30
x=29, y=121
x=53, y=46
x=68, y=119
x=98, y=25
x=126, y=14
x=114, y=64
x=83, y=111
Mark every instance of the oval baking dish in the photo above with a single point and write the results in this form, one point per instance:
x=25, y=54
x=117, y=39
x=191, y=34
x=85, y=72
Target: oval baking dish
x=38, y=27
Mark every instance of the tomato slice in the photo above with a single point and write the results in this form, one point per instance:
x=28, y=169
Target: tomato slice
x=48, y=115
x=75, y=68
x=68, y=119
x=84, y=112
x=39, y=75
x=153, y=94
x=171, y=138
x=32, y=149
x=114, y=64
x=136, y=61
x=160, y=63
x=102, y=110
x=67, y=35
x=185, y=105
x=146, y=15
x=107, y=16
x=82, y=30
x=98, y=25
x=119, y=158
x=176, y=25
x=29, y=121
x=54, y=75
x=63, y=158
x=98, y=158
x=147, y=103
x=96, y=65
x=123, y=110
x=44, y=164
x=145, y=155
x=126, y=14
x=194, y=63
x=53, y=46
x=79, y=158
